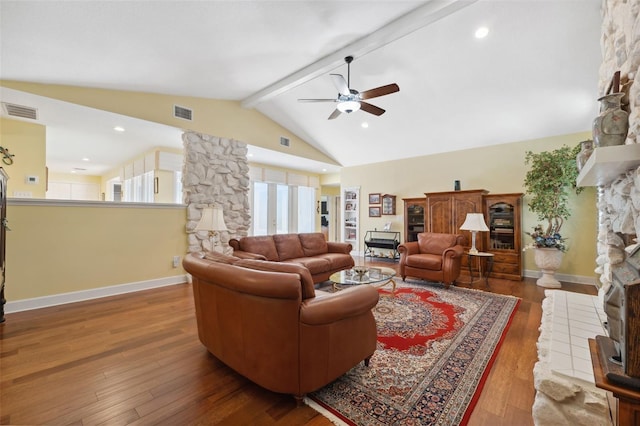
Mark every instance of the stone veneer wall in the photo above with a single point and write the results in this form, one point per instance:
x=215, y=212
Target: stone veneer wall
x=215, y=173
x=560, y=399
x=619, y=202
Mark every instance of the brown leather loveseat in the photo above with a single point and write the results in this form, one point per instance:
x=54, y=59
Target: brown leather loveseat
x=266, y=321
x=434, y=257
x=311, y=250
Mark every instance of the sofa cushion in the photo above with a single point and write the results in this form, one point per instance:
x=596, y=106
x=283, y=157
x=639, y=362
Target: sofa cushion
x=314, y=243
x=432, y=262
x=219, y=257
x=263, y=245
x=338, y=261
x=288, y=246
x=315, y=265
x=308, y=289
x=434, y=243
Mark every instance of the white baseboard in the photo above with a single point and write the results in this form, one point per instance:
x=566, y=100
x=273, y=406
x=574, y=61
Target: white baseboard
x=94, y=293
x=576, y=279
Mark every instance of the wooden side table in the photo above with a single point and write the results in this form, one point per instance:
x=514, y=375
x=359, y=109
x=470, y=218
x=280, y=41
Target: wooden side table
x=627, y=405
x=480, y=256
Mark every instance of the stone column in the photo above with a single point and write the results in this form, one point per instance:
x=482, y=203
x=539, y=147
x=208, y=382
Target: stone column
x=215, y=173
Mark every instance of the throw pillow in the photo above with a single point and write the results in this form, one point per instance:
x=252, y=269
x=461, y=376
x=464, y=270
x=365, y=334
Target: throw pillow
x=314, y=243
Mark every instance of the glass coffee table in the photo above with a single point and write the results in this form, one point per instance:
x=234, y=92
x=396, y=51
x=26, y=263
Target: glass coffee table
x=377, y=277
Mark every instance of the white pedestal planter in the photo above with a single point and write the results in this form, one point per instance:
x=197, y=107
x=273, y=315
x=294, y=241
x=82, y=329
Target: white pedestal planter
x=548, y=260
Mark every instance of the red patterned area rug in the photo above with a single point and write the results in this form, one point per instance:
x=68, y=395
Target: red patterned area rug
x=435, y=349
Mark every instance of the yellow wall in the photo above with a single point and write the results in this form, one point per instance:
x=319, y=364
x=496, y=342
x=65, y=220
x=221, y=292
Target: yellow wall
x=331, y=190
x=74, y=177
x=56, y=249
x=498, y=169
x=27, y=141
x=80, y=248
x=330, y=179
x=220, y=118
x=165, y=187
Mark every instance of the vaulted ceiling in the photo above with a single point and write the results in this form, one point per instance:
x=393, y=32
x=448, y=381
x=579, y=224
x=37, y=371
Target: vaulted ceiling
x=534, y=75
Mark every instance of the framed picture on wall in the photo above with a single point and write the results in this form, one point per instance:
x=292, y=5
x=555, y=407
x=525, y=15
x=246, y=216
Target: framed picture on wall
x=374, y=198
x=388, y=204
x=374, y=211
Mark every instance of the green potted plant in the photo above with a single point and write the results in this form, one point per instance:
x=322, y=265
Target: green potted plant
x=548, y=183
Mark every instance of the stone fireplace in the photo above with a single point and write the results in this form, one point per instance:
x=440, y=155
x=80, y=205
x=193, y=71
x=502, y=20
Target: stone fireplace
x=619, y=201
x=565, y=392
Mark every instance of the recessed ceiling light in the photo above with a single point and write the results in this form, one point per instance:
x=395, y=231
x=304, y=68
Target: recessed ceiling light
x=249, y=155
x=85, y=159
x=73, y=171
x=482, y=32
x=324, y=170
x=364, y=124
x=118, y=129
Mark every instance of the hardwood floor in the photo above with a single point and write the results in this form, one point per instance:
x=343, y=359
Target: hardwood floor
x=136, y=359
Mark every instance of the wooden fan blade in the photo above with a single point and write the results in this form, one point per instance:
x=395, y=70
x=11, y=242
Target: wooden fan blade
x=379, y=91
x=341, y=84
x=371, y=109
x=334, y=114
x=317, y=100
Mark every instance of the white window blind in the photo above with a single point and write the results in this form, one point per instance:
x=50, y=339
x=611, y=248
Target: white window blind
x=169, y=161
x=150, y=162
x=275, y=176
x=297, y=180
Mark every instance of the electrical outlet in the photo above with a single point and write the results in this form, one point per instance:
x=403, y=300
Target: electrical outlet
x=176, y=261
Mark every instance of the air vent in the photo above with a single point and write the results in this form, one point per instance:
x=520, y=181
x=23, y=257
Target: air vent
x=285, y=141
x=182, y=112
x=21, y=111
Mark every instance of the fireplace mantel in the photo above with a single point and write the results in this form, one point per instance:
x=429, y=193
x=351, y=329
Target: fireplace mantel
x=607, y=163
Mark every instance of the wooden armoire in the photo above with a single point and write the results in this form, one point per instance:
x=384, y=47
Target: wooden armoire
x=446, y=211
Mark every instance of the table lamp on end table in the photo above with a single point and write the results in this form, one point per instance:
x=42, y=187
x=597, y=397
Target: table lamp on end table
x=474, y=223
x=212, y=220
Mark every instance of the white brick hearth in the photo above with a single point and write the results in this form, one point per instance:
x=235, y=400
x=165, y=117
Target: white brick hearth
x=575, y=318
x=563, y=376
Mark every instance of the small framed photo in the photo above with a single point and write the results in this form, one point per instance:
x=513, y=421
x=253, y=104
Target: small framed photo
x=374, y=198
x=389, y=204
x=387, y=226
x=374, y=211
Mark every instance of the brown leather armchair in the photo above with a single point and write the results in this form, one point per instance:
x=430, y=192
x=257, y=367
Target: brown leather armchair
x=266, y=321
x=434, y=257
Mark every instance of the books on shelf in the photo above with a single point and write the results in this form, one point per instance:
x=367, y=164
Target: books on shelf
x=502, y=231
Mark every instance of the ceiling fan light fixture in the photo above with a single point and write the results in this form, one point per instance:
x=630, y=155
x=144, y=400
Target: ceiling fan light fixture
x=348, y=106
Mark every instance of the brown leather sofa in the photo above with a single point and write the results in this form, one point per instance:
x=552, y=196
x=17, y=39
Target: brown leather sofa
x=266, y=321
x=311, y=250
x=434, y=257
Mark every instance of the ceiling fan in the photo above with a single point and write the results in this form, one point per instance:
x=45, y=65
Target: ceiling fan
x=350, y=100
